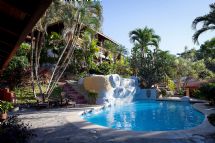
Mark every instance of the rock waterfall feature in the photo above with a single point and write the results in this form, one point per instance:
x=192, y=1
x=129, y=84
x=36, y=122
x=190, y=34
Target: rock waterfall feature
x=112, y=89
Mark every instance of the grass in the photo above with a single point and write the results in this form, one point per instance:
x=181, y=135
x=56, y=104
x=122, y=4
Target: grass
x=25, y=94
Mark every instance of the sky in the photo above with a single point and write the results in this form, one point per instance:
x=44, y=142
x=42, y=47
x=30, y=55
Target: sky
x=170, y=19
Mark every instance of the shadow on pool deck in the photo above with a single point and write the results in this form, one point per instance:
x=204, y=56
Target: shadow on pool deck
x=69, y=133
x=52, y=126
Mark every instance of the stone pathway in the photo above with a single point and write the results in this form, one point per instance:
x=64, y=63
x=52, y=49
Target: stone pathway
x=52, y=126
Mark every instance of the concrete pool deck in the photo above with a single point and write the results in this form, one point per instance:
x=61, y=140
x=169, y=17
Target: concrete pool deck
x=64, y=125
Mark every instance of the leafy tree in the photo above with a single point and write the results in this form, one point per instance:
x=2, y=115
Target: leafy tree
x=207, y=53
x=190, y=55
x=145, y=62
x=105, y=68
x=208, y=21
x=210, y=64
x=18, y=66
x=208, y=90
x=75, y=15
x=111, y=48
x=122, y=67
x=135, y=59
x=198, y=62
x=182, y=69
x=207, y=50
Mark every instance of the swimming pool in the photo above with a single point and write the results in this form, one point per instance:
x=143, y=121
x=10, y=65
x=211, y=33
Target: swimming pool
x=148, y=116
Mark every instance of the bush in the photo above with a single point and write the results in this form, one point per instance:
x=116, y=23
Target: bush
x=171, y=85
x=163, y=92
x=16, y=69
x=211, y=119
x=208, y=90
x=5, y=106
x=13, y=130
x=92, y=97
x=196, y=93
x=105, y=68
x=56, y=93
x=181, y=92
x=122, y=69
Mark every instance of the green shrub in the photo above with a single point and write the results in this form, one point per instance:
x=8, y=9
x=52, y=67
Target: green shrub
x=195, y=93
x=163, y=92
x=13, y=130
x=5, y=106
x=208, y=90
x=211, y=119
x=181, y=92
x=16, y=69
x=92, y=96
x=56, y=93
x=105, y=68
x=171, y=85
x=122, y=69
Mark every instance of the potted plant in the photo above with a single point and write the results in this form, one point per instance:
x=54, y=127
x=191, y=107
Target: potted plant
x=4, y=107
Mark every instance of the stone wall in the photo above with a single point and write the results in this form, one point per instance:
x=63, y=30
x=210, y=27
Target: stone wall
x=97, y=83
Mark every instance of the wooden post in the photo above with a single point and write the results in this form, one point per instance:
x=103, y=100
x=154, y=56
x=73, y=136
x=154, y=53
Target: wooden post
x=187, y=92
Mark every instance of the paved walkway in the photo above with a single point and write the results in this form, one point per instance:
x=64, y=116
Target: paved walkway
x=53, y=126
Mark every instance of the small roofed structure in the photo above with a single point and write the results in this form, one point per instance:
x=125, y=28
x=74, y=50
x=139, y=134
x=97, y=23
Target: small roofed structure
x=195, y=84
x=18, y=17
x=192, y=85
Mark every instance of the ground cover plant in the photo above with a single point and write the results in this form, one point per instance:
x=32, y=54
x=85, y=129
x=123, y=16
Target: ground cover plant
x=13, y=130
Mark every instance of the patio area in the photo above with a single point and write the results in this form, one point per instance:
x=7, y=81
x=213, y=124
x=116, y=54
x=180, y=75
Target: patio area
x=63, y=125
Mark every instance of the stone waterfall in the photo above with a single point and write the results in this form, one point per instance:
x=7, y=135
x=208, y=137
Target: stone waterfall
x=115, y=90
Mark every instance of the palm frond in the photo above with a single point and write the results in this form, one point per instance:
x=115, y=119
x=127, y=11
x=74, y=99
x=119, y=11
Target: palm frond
x=200, y=31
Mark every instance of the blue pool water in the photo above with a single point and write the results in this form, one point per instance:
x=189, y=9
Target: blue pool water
x=148, y=116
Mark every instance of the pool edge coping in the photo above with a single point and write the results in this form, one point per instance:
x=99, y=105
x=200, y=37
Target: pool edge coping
x=205, y=128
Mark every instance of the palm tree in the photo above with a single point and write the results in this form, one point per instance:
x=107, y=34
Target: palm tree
x=208, y=23
x=144, y=38
x=112, y=48
x=122, y=51
x=75, y=15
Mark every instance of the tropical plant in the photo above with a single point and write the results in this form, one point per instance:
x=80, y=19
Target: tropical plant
x=190, y=55
x=122, y=52
x=195, y=64
x=105, y=68
x=163, y=92
x=5, y=106
x=56, y=93
x=208, y=23
x=92, y=97
x=171, y=85
x=208, y=90
x=181, y=92
x=135, y=60
x=111, y=48
x=122, y=68
x=75, y=15
x=18, y=66
x=144, y=38
x=182, y=68
x=207, y=50
x=207, y=53
x=142, y=54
